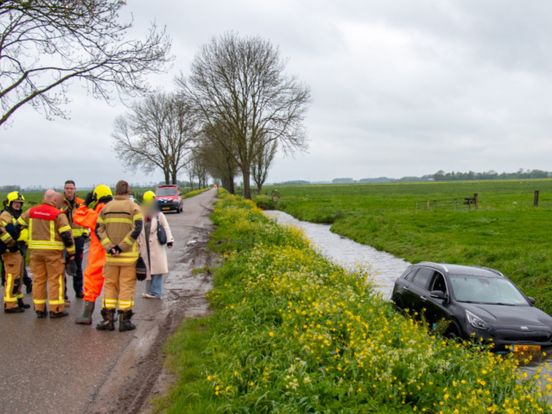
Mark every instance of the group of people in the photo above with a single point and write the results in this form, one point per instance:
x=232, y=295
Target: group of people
x=128, y=242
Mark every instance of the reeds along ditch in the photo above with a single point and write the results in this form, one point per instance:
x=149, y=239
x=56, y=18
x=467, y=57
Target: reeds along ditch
x=291, y=332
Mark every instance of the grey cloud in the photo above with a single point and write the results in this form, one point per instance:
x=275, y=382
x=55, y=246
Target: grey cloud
x=399, y=88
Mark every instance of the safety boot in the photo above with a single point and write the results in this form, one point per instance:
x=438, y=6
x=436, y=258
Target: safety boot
x=55, y=315
x=14, y=310
x=41, y=314
x=86, y=317
x=124, y=321
x=22, y=304
x=108, y=323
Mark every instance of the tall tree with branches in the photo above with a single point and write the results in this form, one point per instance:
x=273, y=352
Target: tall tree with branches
x=158, y=132
x=239, y=83
x=45, y=44
x=216, y=159
x=261, y=163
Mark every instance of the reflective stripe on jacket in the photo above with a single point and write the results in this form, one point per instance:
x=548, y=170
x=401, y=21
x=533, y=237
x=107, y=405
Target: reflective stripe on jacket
x=48, y=227
x=70, y=208
x=120, y=223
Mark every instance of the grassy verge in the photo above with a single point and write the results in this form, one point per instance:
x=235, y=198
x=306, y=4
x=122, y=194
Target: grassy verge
x=193, y=193
x=506, y=232
x=291, y=332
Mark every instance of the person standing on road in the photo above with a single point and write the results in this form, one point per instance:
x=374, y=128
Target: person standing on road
x=87, y=216
x=119, y=226
x=153, y=242
x=49, y=235
x=12, y=258
x=70, y=204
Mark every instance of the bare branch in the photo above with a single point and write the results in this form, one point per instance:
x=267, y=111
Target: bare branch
x=45, y=44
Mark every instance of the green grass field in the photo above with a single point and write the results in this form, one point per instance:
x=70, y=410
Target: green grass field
x=506, y=232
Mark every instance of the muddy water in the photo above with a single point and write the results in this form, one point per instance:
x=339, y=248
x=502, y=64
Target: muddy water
x=384, y=268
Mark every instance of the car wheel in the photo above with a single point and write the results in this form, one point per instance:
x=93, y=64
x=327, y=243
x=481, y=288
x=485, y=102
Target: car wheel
x=453, y=332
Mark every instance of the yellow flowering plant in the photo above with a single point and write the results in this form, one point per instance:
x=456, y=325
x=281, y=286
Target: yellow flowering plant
x=291, y=332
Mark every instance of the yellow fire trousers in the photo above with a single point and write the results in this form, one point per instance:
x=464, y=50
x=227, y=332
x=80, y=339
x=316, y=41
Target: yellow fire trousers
x=119, y=286
x=13, y=263
x=48, y=267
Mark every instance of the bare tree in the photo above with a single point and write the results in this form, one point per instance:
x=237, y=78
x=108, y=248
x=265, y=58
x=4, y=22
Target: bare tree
x=197, y=169
x=159, y=132
x=261, y=163
x=240, y=84
x=218, y=162
x=44, y=44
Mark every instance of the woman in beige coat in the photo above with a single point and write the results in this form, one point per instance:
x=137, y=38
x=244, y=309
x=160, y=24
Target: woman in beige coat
x=152, y=251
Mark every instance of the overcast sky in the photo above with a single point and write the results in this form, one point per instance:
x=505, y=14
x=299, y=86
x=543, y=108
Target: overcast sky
x=398, y=88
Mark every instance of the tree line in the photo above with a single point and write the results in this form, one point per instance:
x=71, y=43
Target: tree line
x=229, y=117
x=489, y=175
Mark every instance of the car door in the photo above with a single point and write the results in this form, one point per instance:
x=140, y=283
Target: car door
x=436, y=308
x=418, y=289
x=401, y=291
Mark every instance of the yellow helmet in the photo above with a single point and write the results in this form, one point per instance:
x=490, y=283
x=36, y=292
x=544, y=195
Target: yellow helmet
x=148, y=197
x=13, y=197
x=101, y=191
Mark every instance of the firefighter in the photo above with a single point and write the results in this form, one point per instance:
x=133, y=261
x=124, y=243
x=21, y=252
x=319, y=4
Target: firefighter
x=70, y=204
x=49, y=235
x=12, y=258
x=87, y=216
x=119, y=226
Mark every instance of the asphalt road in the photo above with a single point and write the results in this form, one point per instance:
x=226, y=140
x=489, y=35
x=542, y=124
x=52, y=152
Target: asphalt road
x=56, y=366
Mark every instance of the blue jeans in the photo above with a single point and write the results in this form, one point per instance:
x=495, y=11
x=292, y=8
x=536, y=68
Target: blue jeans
x=155, y=285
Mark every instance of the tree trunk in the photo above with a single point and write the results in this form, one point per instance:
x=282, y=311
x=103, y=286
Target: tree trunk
x=246, y=184
x=167, y=175
x=259, y=188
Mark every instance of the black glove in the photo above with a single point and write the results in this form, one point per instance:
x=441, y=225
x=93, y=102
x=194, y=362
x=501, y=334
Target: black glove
x=89, y=198
x=169, y=244
x=115, y=251
x=141, y=270
x=13, y=248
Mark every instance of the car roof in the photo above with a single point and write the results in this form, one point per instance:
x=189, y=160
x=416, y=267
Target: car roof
x=456, y=269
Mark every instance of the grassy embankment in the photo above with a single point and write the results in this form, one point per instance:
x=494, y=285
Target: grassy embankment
x=506, y=232
x=292, y=333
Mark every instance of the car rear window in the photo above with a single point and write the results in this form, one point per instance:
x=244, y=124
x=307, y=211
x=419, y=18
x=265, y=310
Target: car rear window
x=423, y=276
x=166, y=191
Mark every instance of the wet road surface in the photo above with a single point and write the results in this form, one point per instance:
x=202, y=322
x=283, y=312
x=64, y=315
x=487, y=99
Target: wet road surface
x=384, y=268
x=56, y=366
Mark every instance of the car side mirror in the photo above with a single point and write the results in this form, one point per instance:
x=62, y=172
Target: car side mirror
x=531, y=300
x=438, y=294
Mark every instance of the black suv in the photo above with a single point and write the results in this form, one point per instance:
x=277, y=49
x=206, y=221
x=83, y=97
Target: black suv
x=473, y=302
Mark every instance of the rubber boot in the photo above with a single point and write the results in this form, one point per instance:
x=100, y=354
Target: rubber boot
x=86, y=317
x=41, y=314
x=56, y=315
x=22, y=304
x=108, y=323
x=124, y=321
x=14, y=310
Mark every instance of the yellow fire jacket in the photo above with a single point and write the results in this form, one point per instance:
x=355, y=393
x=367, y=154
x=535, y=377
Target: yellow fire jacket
x=120, y=223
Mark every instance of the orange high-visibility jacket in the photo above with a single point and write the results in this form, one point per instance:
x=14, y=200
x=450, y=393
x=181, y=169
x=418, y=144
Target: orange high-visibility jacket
x=93, y=274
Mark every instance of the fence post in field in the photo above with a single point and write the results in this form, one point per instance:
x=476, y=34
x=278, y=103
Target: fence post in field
x=536, y=198
x=476, y=200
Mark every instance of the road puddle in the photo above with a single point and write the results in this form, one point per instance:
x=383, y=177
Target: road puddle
x=383, y=267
